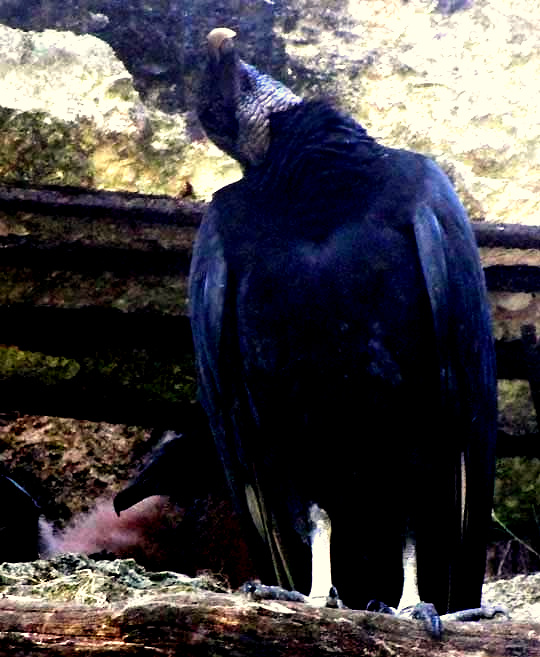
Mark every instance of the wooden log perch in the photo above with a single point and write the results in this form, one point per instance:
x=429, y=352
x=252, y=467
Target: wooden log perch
x=507, y=236
x=195, y=624
x=143, y=254
x=78, y=201
x=56, y=199
x=76, y=259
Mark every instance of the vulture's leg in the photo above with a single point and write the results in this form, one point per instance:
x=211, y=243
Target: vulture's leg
x=411, y=606
x=323, y=593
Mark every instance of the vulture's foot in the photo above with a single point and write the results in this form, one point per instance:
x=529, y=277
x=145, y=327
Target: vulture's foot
x=479, y=613
x=332, y=600
x=257, y=591
x=423, y=611
x=427, y=613
x=380, y=607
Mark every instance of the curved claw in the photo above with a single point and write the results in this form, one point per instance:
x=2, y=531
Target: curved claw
x=258, y=591
x=423, y=611
x=333, y=601
x=380, y=607
x=427, y=613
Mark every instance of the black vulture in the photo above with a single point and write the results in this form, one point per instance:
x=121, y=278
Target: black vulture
x=19, y=523
x=186, y=468
x=201, y=476
x=344, y=351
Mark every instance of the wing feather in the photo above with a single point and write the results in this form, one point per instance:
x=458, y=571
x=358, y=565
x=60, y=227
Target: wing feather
x=455, y=284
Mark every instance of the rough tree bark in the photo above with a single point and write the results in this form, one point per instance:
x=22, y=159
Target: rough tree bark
x=197, y=624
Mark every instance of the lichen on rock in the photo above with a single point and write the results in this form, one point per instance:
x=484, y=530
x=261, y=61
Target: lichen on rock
x=79, y=579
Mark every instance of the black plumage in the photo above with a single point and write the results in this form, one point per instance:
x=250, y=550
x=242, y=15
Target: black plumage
x=202, y=473
x=343, y=344
x=19, y=523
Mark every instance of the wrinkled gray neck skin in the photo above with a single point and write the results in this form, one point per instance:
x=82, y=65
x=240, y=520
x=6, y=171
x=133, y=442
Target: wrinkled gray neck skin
x=235, y=101
x=266, y=96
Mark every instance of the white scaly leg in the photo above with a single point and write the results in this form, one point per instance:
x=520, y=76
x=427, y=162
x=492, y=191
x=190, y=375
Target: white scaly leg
x=321, y=571
x=410, y=604
x=322, y=593
x=409, y=596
